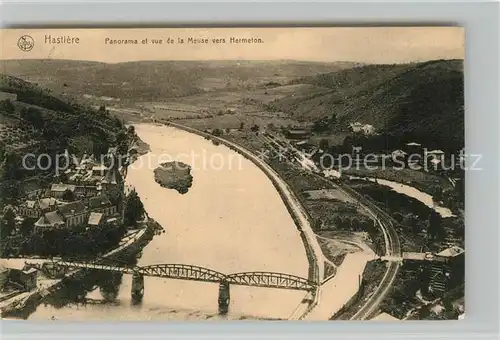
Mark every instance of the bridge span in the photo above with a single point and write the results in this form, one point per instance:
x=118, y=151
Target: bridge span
x=56, y=268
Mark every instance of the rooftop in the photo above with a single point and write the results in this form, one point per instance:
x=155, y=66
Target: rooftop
x=99, y=167
x=46, y=203
x=385, y=317
x=451, y=252
x=398, y=152
x=415, y=256
x=72, y=208
x=49, y=219
x=435, y=152
x=62, y=187
x=95, y=218
x=98, y=201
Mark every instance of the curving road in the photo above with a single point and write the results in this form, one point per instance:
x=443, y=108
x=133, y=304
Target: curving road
x=393, y=248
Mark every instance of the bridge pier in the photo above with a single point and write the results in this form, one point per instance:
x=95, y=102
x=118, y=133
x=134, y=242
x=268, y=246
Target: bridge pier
x=224, y=297
x=137, y=287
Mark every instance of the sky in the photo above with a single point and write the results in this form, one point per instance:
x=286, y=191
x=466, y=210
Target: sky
x=357, y=44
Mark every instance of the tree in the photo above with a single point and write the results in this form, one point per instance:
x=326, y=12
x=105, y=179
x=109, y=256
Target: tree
x=437, y=193
x=63, y=177
x=324, y=145
x=33, y=116
x=321, y=125
x=242, y=126
x=255, y=128
x=8, y=106
x=68, y=195
x=8, y=221
x=435, y=228
x=10, y=190
x=134, y=209
x=26, y=227
x=100, y=147
x=122, y=143
x=424, y=312
x=13, y=165
x=449, y=309
x=217, y=132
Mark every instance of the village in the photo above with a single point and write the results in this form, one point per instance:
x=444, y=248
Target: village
x=88, y=196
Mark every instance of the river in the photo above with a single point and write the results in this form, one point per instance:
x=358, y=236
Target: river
x=411, y=192
x=231, y=220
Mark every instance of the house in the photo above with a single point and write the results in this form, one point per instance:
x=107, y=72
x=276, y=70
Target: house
x=23, y=275
x=450, y=255
x=31, y=188
x=50, y=220
x=297, y=134
x=415, y=150
x=398, y=156
x=99, y=170
x=57, y=190
x=95, y=219
x=86, y=190
x=435, y=154
x=448, y=269
x=74, y=213
x=358, y=127
x=101, y=204
x=35, y=209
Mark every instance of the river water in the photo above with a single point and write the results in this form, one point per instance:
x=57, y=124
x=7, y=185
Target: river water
x=231, y=220
x=411, y=192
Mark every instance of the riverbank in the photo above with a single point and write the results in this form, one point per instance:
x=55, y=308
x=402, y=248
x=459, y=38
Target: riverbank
x=130, y=243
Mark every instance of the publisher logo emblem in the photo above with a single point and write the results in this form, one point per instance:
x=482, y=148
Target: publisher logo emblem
x=25, y=43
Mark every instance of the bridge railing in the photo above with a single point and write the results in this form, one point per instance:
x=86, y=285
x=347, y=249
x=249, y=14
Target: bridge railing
x=196, y=273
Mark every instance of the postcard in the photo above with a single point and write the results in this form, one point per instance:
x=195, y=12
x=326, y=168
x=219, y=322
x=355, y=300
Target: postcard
x=305, y=173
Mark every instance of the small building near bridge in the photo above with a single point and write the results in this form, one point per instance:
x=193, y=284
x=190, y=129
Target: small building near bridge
x=297, y=134
x=23, y=275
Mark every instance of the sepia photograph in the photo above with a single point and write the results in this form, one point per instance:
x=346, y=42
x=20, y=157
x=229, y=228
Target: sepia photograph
x=187, y=174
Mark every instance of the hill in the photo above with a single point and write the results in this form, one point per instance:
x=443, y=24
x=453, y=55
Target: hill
x=422, y=101
x=158, y=80
x=34, y=121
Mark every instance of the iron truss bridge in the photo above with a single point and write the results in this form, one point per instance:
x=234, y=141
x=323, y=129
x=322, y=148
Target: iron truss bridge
x=185, y=272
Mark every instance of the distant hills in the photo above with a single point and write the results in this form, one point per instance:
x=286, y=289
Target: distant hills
x=35, y=121
x=417, y=101
x=159, y=80
x=424, y=101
